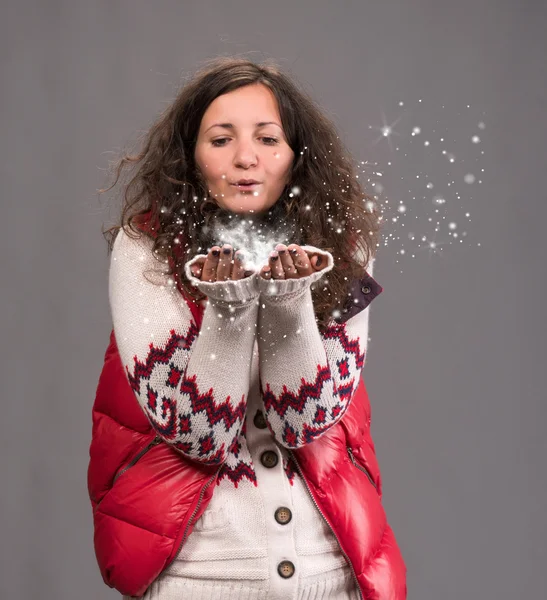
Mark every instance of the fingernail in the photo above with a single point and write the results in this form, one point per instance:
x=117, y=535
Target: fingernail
x=240, y=256
x=248, y=273
x=216, y=252
x=319, y=260
x=274, y=256
x=227, y=250
x=294, y=251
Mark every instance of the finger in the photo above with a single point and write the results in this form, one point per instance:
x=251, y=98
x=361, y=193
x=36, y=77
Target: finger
x=286, y=262
x=317, y=261
x=224, y=267
x=197, y=268
x=209, y=271
x=300, y=260
x=266, y=272
x=276, y=266
x=238, y=269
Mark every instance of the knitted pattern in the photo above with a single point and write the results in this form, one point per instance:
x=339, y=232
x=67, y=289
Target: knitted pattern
x=239, y=464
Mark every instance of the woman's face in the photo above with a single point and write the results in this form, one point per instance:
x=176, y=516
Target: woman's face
x=240, y=137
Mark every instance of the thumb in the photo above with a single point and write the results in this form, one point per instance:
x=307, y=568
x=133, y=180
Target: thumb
x=318, y=262
x=196, y=268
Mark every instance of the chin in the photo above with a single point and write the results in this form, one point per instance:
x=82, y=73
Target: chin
x=246, y=206
x=247, y=210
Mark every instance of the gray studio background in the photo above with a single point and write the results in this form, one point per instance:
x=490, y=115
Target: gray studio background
x=456, y=364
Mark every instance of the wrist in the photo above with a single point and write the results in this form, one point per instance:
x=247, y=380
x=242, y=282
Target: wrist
x=233, y=291
x=286, y=289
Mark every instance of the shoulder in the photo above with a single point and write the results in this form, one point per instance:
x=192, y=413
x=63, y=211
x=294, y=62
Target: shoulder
x=133, y=261
x=130, y=245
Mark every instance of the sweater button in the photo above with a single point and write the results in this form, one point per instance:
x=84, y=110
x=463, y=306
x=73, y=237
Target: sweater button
x=366, y=289
x=259, y=420
x=283, y=515
x=269, y=459
x=286, y=569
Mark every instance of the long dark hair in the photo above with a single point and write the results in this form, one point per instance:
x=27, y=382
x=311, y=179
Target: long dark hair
x=167, y=194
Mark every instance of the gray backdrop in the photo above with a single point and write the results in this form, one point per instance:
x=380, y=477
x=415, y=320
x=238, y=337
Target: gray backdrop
x=456, y=365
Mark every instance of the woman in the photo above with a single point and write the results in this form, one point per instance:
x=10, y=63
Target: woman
x=231, y=453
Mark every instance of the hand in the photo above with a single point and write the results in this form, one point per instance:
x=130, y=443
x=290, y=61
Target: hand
x=219, y=266
x=291, y=262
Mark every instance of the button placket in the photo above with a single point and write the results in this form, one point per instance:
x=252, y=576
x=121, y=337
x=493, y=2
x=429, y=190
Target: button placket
x=274, y=488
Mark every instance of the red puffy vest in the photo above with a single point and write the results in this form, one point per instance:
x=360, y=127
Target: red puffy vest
x=146, y=496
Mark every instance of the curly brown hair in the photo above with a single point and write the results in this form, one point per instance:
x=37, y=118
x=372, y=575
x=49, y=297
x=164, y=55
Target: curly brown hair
x=166, y=197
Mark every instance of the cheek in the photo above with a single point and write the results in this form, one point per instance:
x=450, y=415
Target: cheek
x=282, y=165
x=211, y=172
x=208, y=162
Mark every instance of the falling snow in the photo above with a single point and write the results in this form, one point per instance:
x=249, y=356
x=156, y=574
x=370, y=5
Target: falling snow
x=453, y=156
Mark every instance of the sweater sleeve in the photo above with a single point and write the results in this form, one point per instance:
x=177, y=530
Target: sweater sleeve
x=307, y=378
x=182, y=376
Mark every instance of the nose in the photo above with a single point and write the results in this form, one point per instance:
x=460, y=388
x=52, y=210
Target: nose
x=245, y=155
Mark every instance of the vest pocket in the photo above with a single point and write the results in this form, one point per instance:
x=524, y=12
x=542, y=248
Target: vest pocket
x=361, y=467
x=137, y=457
x=133, y=461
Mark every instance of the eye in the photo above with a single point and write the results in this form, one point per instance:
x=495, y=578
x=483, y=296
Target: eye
x=270, y=141
x=214, y=142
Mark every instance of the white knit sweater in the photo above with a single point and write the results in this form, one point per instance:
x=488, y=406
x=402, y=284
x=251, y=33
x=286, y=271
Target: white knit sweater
x=259, y=350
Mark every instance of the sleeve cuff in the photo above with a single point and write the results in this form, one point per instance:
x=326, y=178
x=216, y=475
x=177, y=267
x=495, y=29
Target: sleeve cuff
x=238, y=291
x=279, y=288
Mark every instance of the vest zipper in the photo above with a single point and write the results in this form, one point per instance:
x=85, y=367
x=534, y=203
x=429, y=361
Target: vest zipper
x=328, y=524
x=361, y=468
x=194, y=513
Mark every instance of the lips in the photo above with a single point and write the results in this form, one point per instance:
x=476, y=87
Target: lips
x=246, y=182
x=243, y=186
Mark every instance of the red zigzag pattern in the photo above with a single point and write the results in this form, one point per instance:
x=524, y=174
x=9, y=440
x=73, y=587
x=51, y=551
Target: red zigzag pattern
x=216, y=413
x=311, y=391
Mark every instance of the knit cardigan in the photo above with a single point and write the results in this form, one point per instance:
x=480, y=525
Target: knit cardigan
x=231, y=394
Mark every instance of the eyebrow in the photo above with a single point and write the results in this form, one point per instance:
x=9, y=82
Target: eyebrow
x=230, y=126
